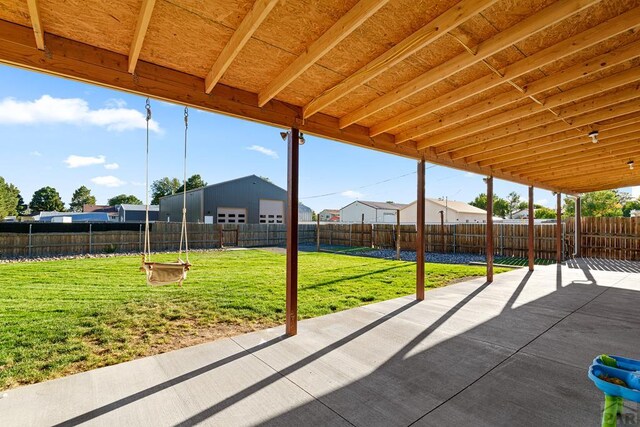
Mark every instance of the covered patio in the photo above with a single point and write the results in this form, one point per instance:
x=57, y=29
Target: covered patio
x=514, y=352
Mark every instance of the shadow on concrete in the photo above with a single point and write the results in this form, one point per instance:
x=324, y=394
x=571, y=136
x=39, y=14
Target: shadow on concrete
x=465, y=381
x=621, y=266
x=233, y=399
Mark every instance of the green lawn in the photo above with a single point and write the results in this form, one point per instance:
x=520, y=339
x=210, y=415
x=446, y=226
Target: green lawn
x=61, y=317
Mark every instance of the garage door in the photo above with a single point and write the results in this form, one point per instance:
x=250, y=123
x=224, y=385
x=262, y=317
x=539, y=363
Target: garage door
x=271, y=211
x=232, y=215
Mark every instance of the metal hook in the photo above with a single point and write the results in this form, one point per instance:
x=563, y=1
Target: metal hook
x=148, y=108
x=186, y=116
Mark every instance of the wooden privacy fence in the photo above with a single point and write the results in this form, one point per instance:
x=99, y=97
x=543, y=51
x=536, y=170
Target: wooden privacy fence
x=510, y=240
x=607, y=238
x=164, y=237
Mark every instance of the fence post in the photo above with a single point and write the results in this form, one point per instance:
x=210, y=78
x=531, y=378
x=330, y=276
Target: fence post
x=30, y=225
x=455, y=228
x=140, y=239
x=318, y=233
x=90, y=243
x=502, y=239
x=398, y=235
x=350, y=228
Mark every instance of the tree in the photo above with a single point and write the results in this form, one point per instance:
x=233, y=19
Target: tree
x=514, y=202
x=480, y=201
x=500, y=205
x=193, y=182
x=46, y=199
x=163, y=187
x=9, y=198
x=631, y=205
x=604, y=203
x=123, y=199
x=544, y=213
x=82, y=196
x=21, y=206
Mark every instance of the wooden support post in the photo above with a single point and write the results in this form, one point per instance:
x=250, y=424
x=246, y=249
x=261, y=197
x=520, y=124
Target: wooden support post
x=293, y=142
x=489, y=229
x=420, y=236
x=318, y=233
x=531, y=229
x=398, y=234
x=442, y=231
x=558, y=228
x=578, y=229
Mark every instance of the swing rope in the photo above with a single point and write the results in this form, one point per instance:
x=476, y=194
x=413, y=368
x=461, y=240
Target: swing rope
x=147, y=240
x=164, y=273
x=183, y=232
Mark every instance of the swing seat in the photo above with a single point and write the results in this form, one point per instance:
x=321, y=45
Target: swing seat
x=165, y=273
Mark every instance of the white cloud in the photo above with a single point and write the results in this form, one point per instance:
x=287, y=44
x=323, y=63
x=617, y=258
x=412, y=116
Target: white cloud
x=352, y=194
x=263, y=150
x=115, y=103
x=111, y=166
x=35, y=154
x=138, y=184
x=108, y=181
x=48, y=109
x=635, y=192
x=74, y=161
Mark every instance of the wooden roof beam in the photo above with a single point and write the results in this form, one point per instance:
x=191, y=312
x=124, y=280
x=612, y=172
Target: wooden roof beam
x=543, y=145
x=588, y=89
x=551, y=150
x=348, y=23
x=548, y=134
x=432, y=31
x=570, y=117
x=610, y=184
x=248, y=26
x=550, y=15
x=34, y=15
x=141, y=30
x=568, y=47
x=610, y=169
x=579, y=155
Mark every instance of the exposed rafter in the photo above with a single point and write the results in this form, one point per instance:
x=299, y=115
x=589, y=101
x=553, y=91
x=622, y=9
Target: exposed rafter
x=327, y=41
x=566, y=48
x=240, y=37
x=34, y=14
x=530, y=25
x=548, y=150
x=589, y=89
x=570, y=117
x=141, y=30
x=533, y=138
x=435, y=29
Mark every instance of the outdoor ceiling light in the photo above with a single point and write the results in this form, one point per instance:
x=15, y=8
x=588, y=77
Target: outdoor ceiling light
x=630, y=164
x=285, y=135
x=594, y=136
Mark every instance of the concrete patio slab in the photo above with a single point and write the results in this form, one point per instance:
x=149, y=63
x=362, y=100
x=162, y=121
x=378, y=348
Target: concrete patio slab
x=514, y=352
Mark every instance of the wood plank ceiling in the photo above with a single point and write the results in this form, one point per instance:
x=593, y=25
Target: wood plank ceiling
x=507, y=88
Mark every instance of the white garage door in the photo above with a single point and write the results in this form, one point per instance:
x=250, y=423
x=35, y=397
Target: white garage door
x=271, y=211
x=232, y=215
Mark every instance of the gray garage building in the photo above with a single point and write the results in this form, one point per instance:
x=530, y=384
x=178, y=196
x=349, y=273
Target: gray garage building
x=247, y=200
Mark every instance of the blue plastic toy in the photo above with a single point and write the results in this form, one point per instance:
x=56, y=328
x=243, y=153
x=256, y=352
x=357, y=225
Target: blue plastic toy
x=618, y=378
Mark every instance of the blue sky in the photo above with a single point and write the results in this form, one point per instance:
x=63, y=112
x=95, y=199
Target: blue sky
x=64, y=134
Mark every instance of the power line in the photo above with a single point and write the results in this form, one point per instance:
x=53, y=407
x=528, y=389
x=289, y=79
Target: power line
x=317, y=196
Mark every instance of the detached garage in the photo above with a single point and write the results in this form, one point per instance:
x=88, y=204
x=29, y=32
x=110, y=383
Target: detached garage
x=247, y=200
